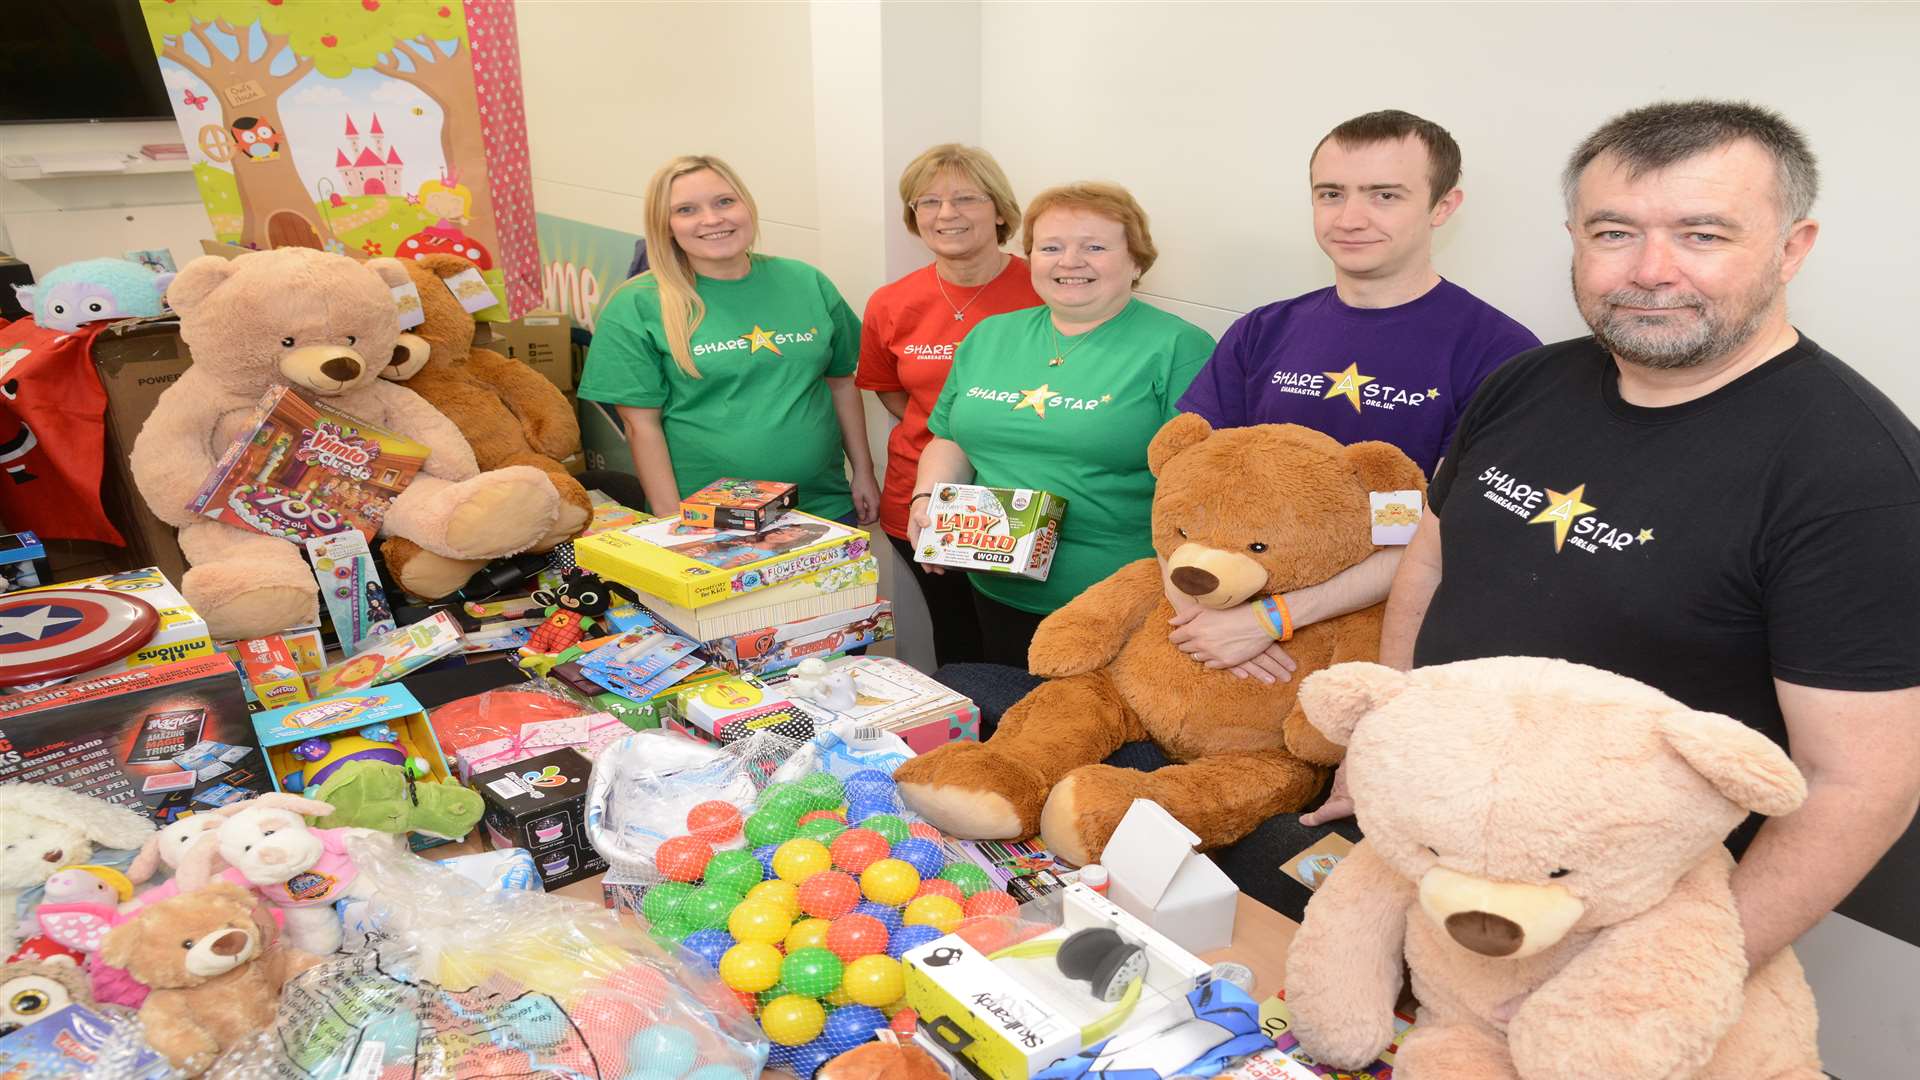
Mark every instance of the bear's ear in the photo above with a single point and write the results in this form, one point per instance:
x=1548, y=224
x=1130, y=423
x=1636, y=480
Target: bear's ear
x=197, y=282
x=1335, y=698
x=445, y=266
x=1384, y=467
x=1174, y=436
x=1745, y=766
x=391, y=271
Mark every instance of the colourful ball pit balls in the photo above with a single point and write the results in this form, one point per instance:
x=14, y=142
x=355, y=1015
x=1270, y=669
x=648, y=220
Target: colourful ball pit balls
x=748, y=1002
x=683, y=858
x=663, y=900
x=853, y=1025
x=780, y=893
x=750, y=966
x=759, y=921
x=791, y=1019
x=940, y=887
x=769, y=827
x=874, y=980
x=764, y=856
x=736, y=870
x=666, y=1049
x=708, y=907
x=969, y=877
x=936, y=911
x=808, y=934
x=911, y=937
x=806, y=1061
x=904, y=1023
x=787, y=801
x=890, y=881
x=829, y=895
x=825, y=830
x=709, y=946
x=797, y=860
x=812, y=816
x=714, y=821
x=886, y=914
x=823, y=786
x=836, y=999
x=991, y=902
x=923, y=855
x=857, y=849
x=860, y=810
x=989, y=935
x=855, y=936
x=812, y=972
x=891, y=826
x=922, y=831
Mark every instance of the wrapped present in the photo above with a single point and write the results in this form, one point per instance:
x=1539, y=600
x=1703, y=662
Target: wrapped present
x=606, y=729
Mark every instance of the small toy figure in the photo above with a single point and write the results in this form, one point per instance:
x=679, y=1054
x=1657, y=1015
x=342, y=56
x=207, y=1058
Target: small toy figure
x=452, y=203
x=93, y=290
x=256, y=139
x=572, y=610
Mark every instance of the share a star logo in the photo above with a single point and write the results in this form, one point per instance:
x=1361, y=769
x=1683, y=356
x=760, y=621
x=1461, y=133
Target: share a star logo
x=761, y=339
x=1035, y=399
x=1347, y=384
x=1563, y=509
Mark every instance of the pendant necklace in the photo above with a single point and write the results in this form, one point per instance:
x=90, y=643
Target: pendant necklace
x=961, y=311
x=1059, y=355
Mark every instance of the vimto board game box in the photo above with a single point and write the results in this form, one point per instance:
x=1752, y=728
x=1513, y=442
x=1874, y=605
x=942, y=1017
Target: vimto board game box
x=302, y=471
x=992, y=530
x=737, y=505
x=692, y=567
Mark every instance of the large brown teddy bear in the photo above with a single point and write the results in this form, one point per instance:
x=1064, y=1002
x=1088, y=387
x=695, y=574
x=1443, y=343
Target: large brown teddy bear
x=1543, y=851
x=1237, y=514
x=215, y=970
x=509, y=413
x=326, y=326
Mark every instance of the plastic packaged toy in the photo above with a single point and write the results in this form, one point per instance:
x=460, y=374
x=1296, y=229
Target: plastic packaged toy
x=738, y=505
x=343, y=566
x=390, y=656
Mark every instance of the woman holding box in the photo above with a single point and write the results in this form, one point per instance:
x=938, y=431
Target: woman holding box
x=958, y=202
x=723, y=362
x=1065, y=398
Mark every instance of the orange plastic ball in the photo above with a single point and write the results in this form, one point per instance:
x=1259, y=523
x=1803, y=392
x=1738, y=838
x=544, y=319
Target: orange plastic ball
x=683, y=858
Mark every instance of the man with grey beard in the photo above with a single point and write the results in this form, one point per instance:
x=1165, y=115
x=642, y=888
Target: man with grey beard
x=1698, y=496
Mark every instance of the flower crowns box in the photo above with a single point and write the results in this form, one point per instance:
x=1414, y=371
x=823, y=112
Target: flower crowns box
x=692, y=568
x=992, y=530
x=303, y=470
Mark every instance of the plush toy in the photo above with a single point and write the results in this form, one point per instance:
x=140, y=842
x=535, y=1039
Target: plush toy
x=387, y=798
x=1237, y=514
x=325, y=756
x=166, y=848
x=299, y=870
x=99, y=885
x=82, y=904
x=509, y=413
x=1544, y=848
x=48, y=828
x=93, y=290
x=573, y=608
x=325, y=325
x=32, y=990
x=214, y=969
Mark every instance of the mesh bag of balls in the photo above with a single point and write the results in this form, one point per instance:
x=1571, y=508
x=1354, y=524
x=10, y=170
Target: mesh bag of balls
x=804, y=904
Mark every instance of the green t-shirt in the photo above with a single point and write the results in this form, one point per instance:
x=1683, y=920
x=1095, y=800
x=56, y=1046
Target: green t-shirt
x=761, y=409
x=1079, y=430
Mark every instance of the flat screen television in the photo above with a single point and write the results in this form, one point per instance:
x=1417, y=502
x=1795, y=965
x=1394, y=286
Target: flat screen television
x=68, y=61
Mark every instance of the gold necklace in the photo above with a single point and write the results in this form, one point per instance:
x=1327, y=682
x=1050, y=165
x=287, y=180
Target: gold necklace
x=1059, y=356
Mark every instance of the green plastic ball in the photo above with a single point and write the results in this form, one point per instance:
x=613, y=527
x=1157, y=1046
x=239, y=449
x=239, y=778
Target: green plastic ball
x=822, y=829
x=811, y=972
x=887, y=825
x=970, y=878
x=735, y=870
x=823, y=785
x=663, y=900
x=770, y=827
x=709, y=907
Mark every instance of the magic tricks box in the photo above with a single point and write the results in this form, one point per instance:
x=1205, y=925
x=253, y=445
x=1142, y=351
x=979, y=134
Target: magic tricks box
x=302, y=471
x=691, y=567
x=163, y=739
x=540, y=804
x=992, y=530
x=743, y=505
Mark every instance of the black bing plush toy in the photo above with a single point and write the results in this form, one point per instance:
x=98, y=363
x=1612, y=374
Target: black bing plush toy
x=572, y=609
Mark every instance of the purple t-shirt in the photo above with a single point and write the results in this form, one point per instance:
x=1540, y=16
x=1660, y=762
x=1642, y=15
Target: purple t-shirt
x=1400, y=375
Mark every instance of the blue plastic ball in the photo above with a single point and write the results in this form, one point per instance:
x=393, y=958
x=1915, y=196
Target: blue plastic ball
x=765, y=854
x=868, y=776
x=852, y=1025
x=887, y=915
x=922, y=855
x=662, y=1048
x=910, y=937
x=806, y=1059
x=709, y=945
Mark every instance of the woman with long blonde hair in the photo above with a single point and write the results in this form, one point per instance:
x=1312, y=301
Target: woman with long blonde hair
x=728, y=363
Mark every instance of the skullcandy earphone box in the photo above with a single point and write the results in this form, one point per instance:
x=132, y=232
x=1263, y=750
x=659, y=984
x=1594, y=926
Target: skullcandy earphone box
x=540, y=804
x=1012, y=1008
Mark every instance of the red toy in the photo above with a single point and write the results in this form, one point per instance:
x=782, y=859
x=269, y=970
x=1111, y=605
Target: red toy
x=571, y=610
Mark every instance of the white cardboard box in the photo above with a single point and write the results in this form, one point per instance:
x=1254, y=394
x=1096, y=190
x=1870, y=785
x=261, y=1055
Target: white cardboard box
x=1158, y=878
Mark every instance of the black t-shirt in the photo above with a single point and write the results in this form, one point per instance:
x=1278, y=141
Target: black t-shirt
x=1765, y=530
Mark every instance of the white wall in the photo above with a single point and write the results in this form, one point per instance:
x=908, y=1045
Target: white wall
x=49, y=222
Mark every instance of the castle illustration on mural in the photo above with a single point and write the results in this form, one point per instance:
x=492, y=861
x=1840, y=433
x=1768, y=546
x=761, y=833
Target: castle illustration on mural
x=363, y=170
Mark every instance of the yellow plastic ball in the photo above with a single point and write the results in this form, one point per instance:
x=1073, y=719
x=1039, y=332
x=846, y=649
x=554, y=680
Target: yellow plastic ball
x=781, y=893
x=892, y=1007
x=939, y=912
x=874, y=980
x=791, y=1019
x=798, y=860
x=808, y=933
x=838, y=996
x=761, y=921
x=751, y=966
x=890, y=881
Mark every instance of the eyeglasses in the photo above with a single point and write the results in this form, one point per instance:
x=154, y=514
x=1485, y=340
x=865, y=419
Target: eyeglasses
x=930, y=204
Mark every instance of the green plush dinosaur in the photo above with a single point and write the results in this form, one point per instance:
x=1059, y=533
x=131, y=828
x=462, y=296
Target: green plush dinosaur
x=387, y=798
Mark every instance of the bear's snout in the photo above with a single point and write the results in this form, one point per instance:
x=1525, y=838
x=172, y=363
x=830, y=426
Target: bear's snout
x=1216, y=579
x=1485, y=933
x=326, y=368
x=230, y=943
x=1194, y=581
x=53, y=856
x=343, y=368
x=410, y=354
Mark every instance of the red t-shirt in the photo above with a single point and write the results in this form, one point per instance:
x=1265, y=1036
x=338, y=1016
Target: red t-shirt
x=907, y=343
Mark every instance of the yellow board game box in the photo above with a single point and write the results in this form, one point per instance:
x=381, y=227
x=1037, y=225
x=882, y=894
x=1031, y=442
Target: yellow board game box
x=693, y=567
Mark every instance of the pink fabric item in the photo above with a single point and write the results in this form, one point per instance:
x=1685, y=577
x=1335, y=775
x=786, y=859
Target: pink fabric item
x=84, y=927
x=323, y=883
x=494, y=39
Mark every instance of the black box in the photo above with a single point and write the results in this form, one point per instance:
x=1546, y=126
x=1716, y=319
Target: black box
x=540, y=804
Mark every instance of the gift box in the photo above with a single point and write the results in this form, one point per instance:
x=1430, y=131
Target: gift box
x=692, y=567
x=776, y=648
x=540, y=804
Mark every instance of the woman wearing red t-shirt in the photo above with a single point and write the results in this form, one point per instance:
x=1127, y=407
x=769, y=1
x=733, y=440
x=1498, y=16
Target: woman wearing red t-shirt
x=959, y=203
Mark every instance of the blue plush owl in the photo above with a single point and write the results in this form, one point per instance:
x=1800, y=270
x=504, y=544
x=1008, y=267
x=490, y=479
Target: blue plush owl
x=93, y=290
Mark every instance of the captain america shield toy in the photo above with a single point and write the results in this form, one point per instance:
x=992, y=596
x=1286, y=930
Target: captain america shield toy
x=53, y=633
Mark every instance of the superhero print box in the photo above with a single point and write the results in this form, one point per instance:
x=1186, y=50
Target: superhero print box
x=181, y=635
x=165, y=739
x=992, y=530
x=692, y=567
x=303, y=471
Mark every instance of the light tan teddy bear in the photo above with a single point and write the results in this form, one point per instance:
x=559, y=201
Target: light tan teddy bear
x=326, y=326
x=1544, y=847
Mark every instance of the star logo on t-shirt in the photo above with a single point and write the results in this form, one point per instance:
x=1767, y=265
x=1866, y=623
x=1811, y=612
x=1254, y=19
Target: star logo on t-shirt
x=1035, y=399
x=1563, y=509
x=761, y=339
x=1645, y=537
x=1432, y=392
x=1347, y=384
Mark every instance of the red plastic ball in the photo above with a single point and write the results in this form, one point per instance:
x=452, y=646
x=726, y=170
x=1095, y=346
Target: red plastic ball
x=818, y=815
x=714, y=821
x=828, y=895
x=990, y=903
x=857, y=849
x=941, y=887
x=903, y=1023
x=683, y=858
x=987, y=935
x=854, y=936
x=924, y=831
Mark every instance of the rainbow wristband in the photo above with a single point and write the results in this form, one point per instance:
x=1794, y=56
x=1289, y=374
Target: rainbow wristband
x=1279, y=619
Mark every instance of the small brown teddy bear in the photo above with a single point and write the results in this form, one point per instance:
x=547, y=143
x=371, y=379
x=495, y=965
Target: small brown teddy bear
x=216, y=974
x=510, y=414
x=1237, y=514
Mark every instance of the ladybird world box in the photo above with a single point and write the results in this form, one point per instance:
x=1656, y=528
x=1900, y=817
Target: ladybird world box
x=992, y=530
